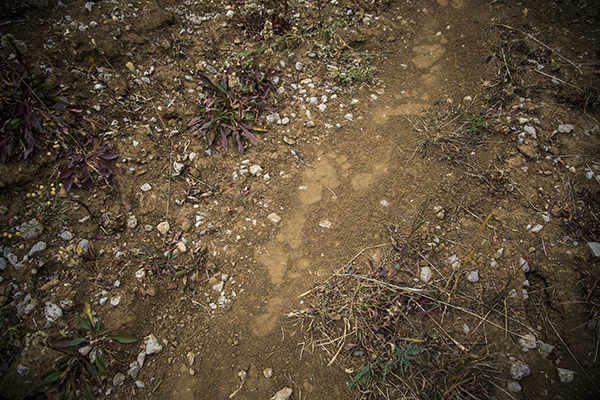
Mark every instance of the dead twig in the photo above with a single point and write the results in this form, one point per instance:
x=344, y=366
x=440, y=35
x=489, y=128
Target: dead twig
x=530, y=36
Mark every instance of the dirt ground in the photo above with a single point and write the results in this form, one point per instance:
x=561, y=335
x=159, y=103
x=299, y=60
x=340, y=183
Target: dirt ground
x=340, y=189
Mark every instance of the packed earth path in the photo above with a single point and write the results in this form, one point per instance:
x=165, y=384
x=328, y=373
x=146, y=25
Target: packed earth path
x=442, y=156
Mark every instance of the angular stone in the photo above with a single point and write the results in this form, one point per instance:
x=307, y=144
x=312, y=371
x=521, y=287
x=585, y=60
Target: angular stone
x=594, y=248
x=132, y=221
x=163, y=227
x=274, y=218
x=152, y=345
x=426, y=274
x=565, y=375
x=39, y=246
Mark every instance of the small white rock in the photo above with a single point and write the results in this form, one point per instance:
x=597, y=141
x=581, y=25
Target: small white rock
x=565, y=128
x=349, y=117
x=39, y=246
x=528, y=342
x=218, y=287
x=537, y=228
x=132, y=221
x=140, y=273
x=274, y=218
x=565, y=375
x=118, y=379
x=152, y=345
x=146, y=187
x=524, y=265
x=322, y=107
x=283, y=394
x=115, y=301
x=163, y=227
x=426, y=274
x=141, y=358
x=513, y=387
x=325, y=224
x=52, y=312
x=473, y=277
x=594, y=248
x=268, y=372
x=255, y=170
x=66, y=235
x=177, y=168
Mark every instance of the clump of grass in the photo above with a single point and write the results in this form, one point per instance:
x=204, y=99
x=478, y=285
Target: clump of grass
x=31, y=109
x=451, y=128
x=232, y=105
x=387, y=328
x=82, y=359
x=48, y=204
x=355, y=68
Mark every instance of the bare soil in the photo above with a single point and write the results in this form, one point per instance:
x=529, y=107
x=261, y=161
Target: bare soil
x=327, y=184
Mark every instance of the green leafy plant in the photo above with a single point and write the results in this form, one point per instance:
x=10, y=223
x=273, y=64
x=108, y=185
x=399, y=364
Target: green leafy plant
x=232, y=106
x=401, y=358
x=363, y=376
x=80, y=160
x=161, y=261
x=31, y=108
x=9, y=330
x=82, y=360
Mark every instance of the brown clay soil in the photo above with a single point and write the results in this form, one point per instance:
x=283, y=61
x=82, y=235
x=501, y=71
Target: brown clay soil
x=326, y=183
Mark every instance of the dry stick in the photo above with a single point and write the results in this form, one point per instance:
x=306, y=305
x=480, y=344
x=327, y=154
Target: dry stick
x=156, y=387
x=341, y=343
x=238, y=389
x=381, y=283
x=88, y=210
x=540, y=43
x=558, y=79
x=331, y=191
x=460, y=346
x=573, y=355
x=348, y=263
x=529, y=201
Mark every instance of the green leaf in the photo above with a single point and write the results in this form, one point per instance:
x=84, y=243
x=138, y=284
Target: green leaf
x=84, y=323
x=122, y=338
x=78, y=341
x=61, y=343
x=14, y=123
x=100, y=361
x=52, y=377
x=97, y=326
x=90, y=368
x=87, y=392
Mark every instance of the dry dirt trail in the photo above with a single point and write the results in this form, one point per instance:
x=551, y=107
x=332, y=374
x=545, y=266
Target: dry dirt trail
x=332, y=209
